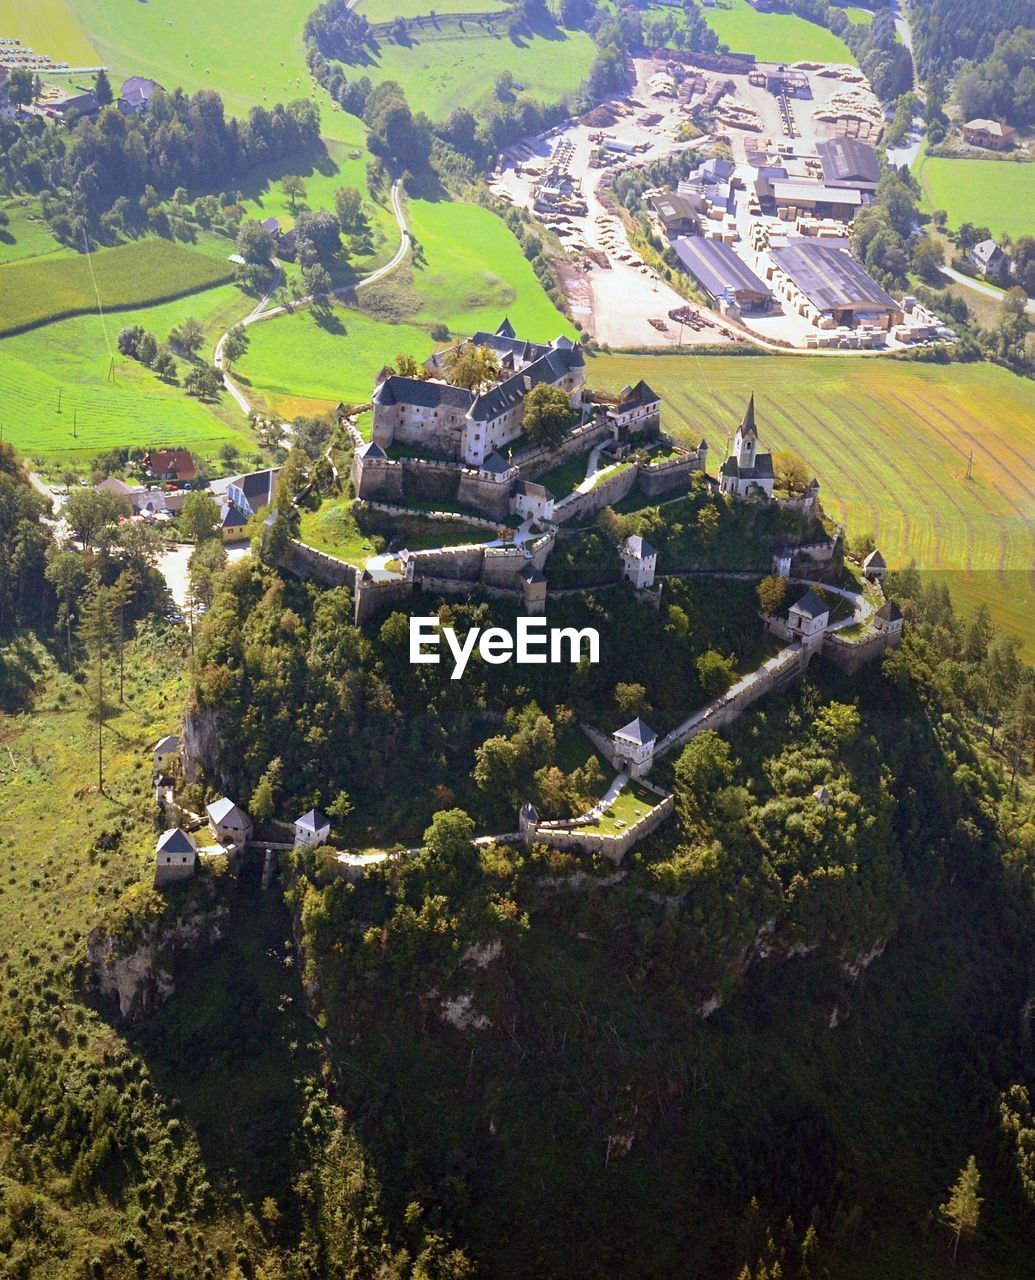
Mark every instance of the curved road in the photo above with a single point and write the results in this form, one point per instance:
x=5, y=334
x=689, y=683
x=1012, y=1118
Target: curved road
x=969, y=282
x=262, y=311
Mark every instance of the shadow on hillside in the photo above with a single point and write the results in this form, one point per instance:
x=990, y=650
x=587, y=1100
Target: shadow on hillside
x=233, y=1047
x=258, y=182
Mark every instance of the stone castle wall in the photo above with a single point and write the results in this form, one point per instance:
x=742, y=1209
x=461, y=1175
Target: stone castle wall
x=533, y=462
x=606, y=493
x=306, y=562
x=663, y=477
x=850, y=658
x=569, y=835
x=487, y=493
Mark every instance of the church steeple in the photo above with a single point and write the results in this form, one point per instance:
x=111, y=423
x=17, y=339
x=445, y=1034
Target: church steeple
x=746, y=442
x=748, y=425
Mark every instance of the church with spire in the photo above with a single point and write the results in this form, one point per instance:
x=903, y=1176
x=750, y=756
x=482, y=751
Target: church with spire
x=746, y=473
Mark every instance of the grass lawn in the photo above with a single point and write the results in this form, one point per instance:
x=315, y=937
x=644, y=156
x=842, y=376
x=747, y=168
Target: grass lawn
x=72, y=356
x=630, y=805
x=996, y=194
x=51, y=27
x=888, y=441
x=775, y=37
x=473, y=273
x=299, y=365
x=442, y=70
x=334, y=528
x=563, y=479
x=40, y=290
x=26, y=234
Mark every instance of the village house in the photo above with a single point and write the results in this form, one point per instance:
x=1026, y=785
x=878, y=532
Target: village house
x=987, y=256
x=808, y=618
x=136, y=94
x=169, y=465
x=312, y=828
x=746, y=473
x=253, y=491
x=176, y=857
x=228, y=821
x=993, y=135
x=233, y=523
x=634, y=743
x=639, y=561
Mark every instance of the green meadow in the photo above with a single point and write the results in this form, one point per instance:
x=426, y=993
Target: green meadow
x=26, y=235
x=775, y=37
x=997, y=194
x=68, y=363
x=37, y=291
x=889, y=445
x=51, y=27
x=452, y=68
x=472, y=272
x=305, y=362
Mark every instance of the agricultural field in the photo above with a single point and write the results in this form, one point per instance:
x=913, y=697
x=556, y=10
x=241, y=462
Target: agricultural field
x=997, y=194
x=37, y=292
x=889, y=445
x=72, y=357
x=304, y=363
x=454, y=68
x=776, y=37
x=473, y=272
x=51, y=27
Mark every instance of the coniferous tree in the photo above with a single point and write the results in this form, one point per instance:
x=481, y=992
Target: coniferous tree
x=962, y=1210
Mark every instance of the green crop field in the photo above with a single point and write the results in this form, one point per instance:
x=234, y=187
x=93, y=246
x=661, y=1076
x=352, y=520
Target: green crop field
x=473, y=273
x=73, y=356
x=38, y=291
x=459, y=69
x=389, y=10
x=299, y=364
x=48, y=26
x=776, y=37
x=997, y=194
x=889, y=443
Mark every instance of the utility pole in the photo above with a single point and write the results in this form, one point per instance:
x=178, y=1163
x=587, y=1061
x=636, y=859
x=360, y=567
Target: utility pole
x=75, y=423
x=60, y=389
x=970, y=466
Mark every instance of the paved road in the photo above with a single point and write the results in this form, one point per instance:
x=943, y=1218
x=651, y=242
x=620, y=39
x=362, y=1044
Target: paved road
x=979, y=287
x=262, y=311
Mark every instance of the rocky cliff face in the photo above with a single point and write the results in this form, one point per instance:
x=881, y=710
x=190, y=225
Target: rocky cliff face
x=201, y=743
x=133, y=976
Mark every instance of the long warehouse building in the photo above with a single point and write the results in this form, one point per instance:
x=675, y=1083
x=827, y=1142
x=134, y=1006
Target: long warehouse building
x=718, y=270
x=822, y=280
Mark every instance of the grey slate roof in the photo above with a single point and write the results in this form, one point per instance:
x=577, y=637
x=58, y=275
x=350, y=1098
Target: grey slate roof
x=495, y=463
x=175, y=840
x=848, y=159
x=231, y=517
x=889, y=611
x=716, y=267
x=640, y=394
x=170, y=742
x=371, y=450
x=551, y=367
x=830, y=277
x=313, y=820
x=762, y=470
x=223, y=809
x=639, y=547
x=258, y=486
x=427, y=395
x=637, y=731
x=811, y=605
x=875, y=560
x=531, y=574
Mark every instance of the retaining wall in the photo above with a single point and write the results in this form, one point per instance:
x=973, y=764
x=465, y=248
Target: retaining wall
x=613, y=847
x=606, y=493
x=306, y=562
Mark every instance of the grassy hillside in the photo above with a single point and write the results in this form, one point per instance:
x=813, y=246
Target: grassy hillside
x=889, y=444
x=991, y=193
x=26, y=234
x=454, y=68
x=73, y=356
x=39, y=291
x=774, y=37
x=389, y=10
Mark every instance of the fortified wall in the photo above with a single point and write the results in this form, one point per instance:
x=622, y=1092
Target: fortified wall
x=572, y=833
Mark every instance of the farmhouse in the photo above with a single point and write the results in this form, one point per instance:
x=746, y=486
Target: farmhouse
x=825, y=283
x=136, y=94
x=986, y=255
x=746, y=473
x=990, y=134
x=170, y=465
x=728, y=281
